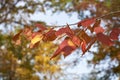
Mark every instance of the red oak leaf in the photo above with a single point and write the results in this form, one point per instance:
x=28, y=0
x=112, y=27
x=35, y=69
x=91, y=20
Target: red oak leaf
x=41, y=27
x=66, y=47
x=115, y=33
x=86, y=22
x=104, y=39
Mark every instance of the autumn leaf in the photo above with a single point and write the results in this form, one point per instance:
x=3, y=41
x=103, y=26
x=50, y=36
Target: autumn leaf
x=83, y=46
x=76, y=40
x=86, y=22
x=16, y=38
x=27, y=32
x=84, y=35
x=36, y=38
x=66, y=30
x=98, y=30
x=115, y=33
x=66, y=47
x=41, y=27
x=104, y=39
x=96, y=24
x=50, y=35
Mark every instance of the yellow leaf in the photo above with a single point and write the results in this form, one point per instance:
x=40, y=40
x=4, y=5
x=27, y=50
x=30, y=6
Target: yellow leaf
x=36, y=39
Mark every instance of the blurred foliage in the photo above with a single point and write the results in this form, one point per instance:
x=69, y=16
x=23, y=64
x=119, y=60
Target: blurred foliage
x=23, y=63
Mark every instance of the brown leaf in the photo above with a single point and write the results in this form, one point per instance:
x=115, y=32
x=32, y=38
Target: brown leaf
x=16, y=38
x=85, y=36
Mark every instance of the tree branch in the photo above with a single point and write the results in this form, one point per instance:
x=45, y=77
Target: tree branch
x=116, y=12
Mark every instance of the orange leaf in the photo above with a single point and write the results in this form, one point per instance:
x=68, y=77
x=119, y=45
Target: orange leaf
x=86, y=22
x=104, y=39
x=115, y=33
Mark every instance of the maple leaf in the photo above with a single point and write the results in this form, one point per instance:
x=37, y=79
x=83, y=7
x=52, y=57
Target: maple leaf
x=50, y=35
x=115, y=33
x=66, y=47
x=104, y=39
x=86, y=22
x=66, y=30
x=98, y=30
x=41, y=27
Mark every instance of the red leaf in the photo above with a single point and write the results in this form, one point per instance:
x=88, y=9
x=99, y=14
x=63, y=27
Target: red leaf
x=76, y=40
x=86, y=22
x=83, y=46
x=115, y=33
x=104, y=39
x=66, y=30
x=98, y=30
x=67, y=46
x=41, y=27
x=96, y=24
x=50, y=35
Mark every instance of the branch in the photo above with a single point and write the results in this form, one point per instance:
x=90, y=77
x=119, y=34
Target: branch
x=116, y=12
